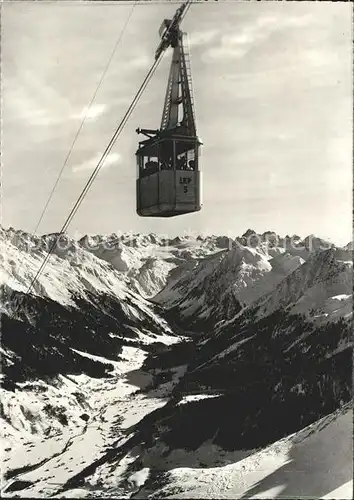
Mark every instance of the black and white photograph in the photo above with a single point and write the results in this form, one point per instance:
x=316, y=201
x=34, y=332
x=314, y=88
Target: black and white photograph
x=176, y=263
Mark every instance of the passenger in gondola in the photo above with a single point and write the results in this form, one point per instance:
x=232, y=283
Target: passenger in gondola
x=166, y=165
x=180, y=163
x=191, y=165
x=151, y=167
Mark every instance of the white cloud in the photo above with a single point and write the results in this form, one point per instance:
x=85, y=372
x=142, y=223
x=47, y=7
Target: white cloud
x=226, y=52
x=234, y=45
x=91, y=113
x=112, y=159
x=318, y=57
x=140, y=62
x=27, y=107
x=201, y=37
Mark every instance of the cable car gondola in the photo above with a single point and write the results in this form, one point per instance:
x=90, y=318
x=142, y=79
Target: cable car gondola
x=168, y=170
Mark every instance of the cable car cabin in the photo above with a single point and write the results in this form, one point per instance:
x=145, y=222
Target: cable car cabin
x=169, y=180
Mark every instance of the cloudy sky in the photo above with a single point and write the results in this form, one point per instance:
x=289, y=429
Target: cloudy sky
x=273, y=91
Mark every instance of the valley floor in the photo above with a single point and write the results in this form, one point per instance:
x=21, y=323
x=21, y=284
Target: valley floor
x=114, y=407
x=316, y=462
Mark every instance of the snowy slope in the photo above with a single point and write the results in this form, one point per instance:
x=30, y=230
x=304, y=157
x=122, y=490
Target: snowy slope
x=309, y=309
x=67, y=273
x=141, y=261
x=314, y=463
x=71, y=273
x=95, y=409
x=147, y=260
x=278, y=360
x=279, y=364
x=79, y=301
x=310, y=289
x=78, y=318
x=219, y=286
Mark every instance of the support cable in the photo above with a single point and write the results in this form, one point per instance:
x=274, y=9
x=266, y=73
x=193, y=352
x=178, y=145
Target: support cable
x=84, y=119
x=96, y=170
x=102, y=159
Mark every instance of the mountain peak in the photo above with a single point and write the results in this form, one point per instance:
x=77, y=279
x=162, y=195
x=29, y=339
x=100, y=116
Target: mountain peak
x=249, y=232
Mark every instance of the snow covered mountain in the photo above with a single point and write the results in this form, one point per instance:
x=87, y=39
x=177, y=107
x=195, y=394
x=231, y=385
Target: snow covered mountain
x=204, y=282
x=148, y=260
x=308, y=312
x=278, y=365
x=221, y=285
x=320, y=288
x=312, y=463
x=76, y=320
x=101, y=397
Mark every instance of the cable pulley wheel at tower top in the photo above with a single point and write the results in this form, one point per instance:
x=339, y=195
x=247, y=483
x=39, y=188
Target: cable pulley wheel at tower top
x=169, y=176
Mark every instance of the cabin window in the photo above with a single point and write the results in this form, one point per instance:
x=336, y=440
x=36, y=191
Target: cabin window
x=170, y=154
x=186, y=157
x=166, y=155
x=148, y=165
x=181, y=162
x=192, y=159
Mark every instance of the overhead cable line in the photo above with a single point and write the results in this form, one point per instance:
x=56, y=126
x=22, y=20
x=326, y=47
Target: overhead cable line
x=85, y=118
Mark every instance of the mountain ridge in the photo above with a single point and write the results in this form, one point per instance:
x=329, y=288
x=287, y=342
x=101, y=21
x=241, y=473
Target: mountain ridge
x=201, y=346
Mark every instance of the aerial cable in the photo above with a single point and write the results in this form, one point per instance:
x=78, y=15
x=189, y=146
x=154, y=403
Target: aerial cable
x=94, y=174
x=96, y=170
x=85, y=117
